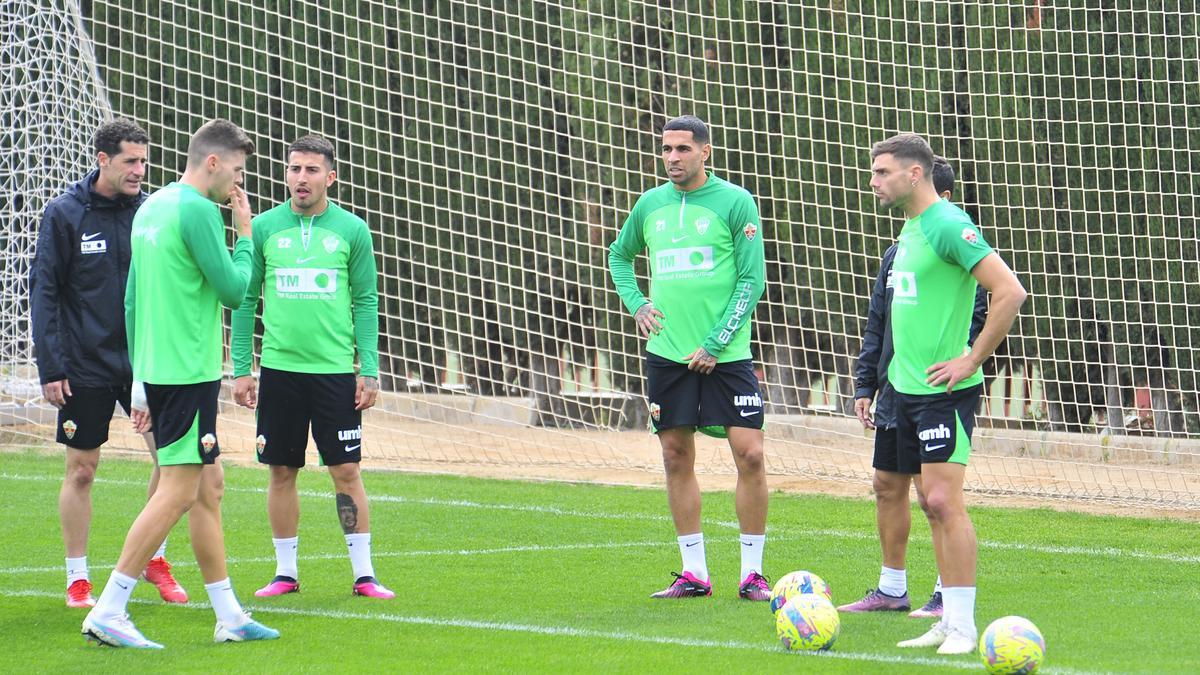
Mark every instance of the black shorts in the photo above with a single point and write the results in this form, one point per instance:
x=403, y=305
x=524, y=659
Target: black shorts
x=729, y=396
x=935, y=428
x=288, y=402
x=83, y=421
x=185, y=422
x=887, y=455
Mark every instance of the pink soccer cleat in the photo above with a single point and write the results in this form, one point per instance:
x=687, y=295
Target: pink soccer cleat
x=877, y=601
x=158, y=572
x=79, y=594
x=278, y=586
x=371, y=588
x=755, y=587
x=686, y=585
x=931, y=610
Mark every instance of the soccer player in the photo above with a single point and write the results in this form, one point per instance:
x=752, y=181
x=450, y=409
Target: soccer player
x=319, y=303
x=940, y=259
x=77, y=290
x=706, y=275
x=891, y=482
x=180, y=276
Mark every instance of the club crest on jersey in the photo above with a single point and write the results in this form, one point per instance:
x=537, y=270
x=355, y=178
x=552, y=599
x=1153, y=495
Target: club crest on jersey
x=655, y=411
x=208, y=442
x=969, y=236
x=750, y=230
x=331, y=243
x=69, y=428
x=260, y=443
x=702, y=225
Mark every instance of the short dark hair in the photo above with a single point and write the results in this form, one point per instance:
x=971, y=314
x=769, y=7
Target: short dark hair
x=218, y=137
x=690, y=123
x=909, y=147
x=943, y=175
x=317, y=145
x=110, y=135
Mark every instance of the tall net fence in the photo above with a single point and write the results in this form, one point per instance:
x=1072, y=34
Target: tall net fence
x=495, y=148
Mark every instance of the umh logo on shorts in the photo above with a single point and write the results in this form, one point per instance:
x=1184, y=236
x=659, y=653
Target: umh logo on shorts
x=940, y=432
x=753, y=400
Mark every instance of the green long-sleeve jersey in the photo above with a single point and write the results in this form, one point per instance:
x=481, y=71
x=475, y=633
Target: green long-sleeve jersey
x=707, y=268
x=180, y=275
x=316, y=276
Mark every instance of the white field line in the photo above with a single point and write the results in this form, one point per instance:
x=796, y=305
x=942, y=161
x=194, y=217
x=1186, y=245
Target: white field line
x=383, y=554
x=565, y=631
x=775, y=531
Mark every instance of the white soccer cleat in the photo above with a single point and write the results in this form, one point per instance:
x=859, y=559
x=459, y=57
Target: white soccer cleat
x=934, y=637
x=115, y=632
x=248, y=631
x=958, y=641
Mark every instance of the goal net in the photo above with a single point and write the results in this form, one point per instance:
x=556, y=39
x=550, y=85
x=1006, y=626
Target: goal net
x=51, y=101
x=495, y=149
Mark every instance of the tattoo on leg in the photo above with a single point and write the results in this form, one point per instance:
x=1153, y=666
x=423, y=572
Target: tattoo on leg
x=347, y=512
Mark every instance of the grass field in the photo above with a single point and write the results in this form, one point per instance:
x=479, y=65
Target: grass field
x=501, y=576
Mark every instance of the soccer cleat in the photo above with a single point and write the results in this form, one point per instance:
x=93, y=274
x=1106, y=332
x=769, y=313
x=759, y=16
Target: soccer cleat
x=958, y=641
x=279, y=586
x=116, y=632
x=79, y=594
x=931, y=610
x=369, y=587
x=250, y=630
x=877, y=601
x=158, y=572
x=686, y=585
x=934, y=637
x=755, y=587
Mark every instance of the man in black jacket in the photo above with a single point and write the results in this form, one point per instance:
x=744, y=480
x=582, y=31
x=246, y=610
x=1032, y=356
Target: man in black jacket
x=892, y=514
x=77, y=301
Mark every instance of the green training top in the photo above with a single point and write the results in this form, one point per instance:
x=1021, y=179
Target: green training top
x=319, y=299
x=180, y=275
x=933, y=295
x=707, y=268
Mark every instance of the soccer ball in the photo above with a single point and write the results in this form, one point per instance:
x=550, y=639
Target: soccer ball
x=798, y=583
x=1012, y=645
x=807, y=623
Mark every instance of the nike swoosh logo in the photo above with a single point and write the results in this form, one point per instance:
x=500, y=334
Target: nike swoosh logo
x=676, y=240
x=747, y=544
x=931, y=448
x=691, y=544
x=747, y=413
x=352, y=448
x=123, y=586
x=89, y=237
x=301, y=261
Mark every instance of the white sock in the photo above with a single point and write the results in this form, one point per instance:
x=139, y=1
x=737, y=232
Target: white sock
x=959, y=604
x=937, y=587
x=162, y=550
x=113, y=600
x=893, y=582
x=76, y=569
x=359, y=546
x=225, y=604
x=691, y=549
x=752, y=552
x=285, y=556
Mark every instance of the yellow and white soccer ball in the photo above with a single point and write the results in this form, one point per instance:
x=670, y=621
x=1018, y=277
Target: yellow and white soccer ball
x=808, y=622
x=798, y=583
x=1012, y=645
